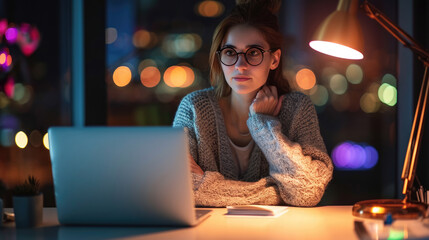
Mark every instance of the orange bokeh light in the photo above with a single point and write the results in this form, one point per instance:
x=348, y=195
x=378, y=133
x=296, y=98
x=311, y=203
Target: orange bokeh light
x=190, y=77
x=9, y=60
x=305, y=79
x=179, y=76
x=2, y=58
x=141, y=38
x=122, y=76
x=150, y=76
x=210, y=8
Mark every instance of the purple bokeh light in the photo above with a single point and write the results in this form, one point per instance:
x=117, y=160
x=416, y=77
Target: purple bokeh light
x=354, y=156
x=11, y=35
x=9, y=121
x=372, y=157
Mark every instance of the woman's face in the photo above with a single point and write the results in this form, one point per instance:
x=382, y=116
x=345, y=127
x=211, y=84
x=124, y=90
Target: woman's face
x=242, y=77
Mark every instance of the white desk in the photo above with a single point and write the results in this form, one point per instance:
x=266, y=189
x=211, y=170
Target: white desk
x=329, y=222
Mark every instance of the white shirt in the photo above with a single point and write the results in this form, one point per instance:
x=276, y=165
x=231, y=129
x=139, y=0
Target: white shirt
x=242, y=155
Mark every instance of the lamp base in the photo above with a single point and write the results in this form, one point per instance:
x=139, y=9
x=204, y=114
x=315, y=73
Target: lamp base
x=399, y=209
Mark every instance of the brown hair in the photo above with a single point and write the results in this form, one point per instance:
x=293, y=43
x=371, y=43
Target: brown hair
x=259, y=14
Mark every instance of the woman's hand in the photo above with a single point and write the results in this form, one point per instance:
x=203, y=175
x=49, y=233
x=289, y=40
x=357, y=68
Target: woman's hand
x=195, y=168
x=266, y=101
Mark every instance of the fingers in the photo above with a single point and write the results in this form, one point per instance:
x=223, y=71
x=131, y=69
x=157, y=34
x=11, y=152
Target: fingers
x=279, y=105
x=259, y=94
x=266, y=101
x=273, y=91
x=195, y=168
x=269, y=91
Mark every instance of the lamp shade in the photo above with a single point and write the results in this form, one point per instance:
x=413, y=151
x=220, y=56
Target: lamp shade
x=340, y=34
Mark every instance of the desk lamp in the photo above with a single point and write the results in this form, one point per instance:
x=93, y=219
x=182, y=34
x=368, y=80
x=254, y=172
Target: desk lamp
x=340, y=35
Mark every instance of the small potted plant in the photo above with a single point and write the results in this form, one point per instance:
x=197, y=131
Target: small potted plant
x=28, y=203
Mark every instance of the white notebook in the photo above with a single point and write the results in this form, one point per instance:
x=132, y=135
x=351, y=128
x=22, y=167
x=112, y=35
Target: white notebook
x=256, y=210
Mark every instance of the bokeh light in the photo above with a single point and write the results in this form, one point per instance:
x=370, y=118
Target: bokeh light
x=21, y=139
x=28, y=38
x=111, y=35
x=11, y=35
x=6, y=137
x=3, y=58
x=22, y=94
x=387, y=94
x=210, y=8
x=319, y=95
x=354, y=74
x=8, y=60
x=46, y=141
x=35, y=138
x=147, y=63
x=338, y=84
x=141, y=38
x=3, y=26
x=369, y=103
x=18, y=92
x=122, y=76
x=327, y=73
x=389, y=79
x=9, y=121
x=28, y=95
x=186, y=44
x=354, y=156
x=25, y=36
x=179, y=76
x=150, y=77
x=190, y=77
x=4, y=100
x=373, y=88
x=181, y=45
x=305, y=79
x=175, y=76
x=9, y=87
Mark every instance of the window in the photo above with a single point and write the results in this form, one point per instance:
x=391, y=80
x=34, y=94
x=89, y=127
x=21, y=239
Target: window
x=34, y=90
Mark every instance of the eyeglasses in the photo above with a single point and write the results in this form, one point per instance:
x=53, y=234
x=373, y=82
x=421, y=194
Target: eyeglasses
x=254, y=55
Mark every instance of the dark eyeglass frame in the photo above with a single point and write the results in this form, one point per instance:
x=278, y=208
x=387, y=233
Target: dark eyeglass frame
x=245, y=54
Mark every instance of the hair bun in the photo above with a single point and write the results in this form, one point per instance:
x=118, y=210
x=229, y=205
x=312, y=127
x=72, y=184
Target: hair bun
x=271, y=5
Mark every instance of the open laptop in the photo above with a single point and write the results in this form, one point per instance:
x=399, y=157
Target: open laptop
x=122, y=176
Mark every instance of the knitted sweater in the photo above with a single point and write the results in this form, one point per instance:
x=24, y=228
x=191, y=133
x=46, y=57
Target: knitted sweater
x=288, y=165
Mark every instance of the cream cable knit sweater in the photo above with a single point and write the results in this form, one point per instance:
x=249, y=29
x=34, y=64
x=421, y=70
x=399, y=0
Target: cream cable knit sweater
x=288, y=165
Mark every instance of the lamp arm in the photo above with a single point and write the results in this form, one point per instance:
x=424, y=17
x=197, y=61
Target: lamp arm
x=414, y=143
x=396, y=31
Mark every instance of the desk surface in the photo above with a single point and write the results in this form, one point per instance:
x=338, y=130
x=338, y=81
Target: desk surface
x=329, y=222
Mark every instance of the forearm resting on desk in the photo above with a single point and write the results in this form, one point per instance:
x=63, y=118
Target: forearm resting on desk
x=213, y=190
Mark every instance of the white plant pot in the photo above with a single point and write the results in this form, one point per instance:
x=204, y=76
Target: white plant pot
x=28, y=210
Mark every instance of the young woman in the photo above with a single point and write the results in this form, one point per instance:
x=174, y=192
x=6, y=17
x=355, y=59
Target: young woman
x=251, y=140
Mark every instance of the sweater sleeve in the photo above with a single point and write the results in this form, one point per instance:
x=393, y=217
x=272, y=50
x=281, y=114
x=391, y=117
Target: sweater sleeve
x=301, y=168
x=216, y=191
